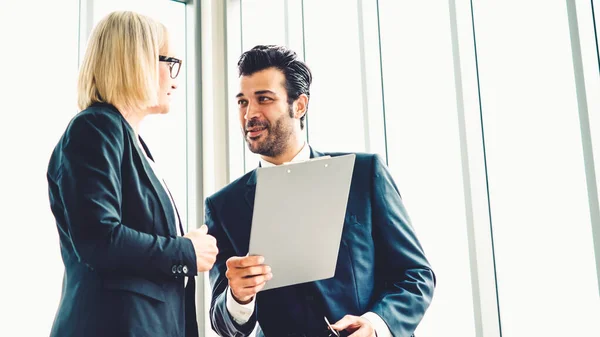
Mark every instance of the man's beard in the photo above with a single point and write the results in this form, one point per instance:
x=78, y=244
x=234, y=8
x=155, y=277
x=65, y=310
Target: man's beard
x=274, y=140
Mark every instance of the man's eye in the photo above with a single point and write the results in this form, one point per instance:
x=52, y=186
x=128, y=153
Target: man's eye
x=264, y=99
x=242, y=102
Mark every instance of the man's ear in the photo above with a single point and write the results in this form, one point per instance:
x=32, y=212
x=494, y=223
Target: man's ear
x=300, y=106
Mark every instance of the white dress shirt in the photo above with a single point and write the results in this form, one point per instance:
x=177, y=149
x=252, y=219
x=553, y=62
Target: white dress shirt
x=241, y=313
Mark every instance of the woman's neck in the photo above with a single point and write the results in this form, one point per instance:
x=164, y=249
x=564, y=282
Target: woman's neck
x=134, y=118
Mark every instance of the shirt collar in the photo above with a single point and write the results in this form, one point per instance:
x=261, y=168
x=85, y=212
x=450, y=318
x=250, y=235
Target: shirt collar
x=303, y=155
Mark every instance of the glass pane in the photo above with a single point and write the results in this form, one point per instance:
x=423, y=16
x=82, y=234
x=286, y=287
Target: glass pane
x=39, y=56
x=263, y=22
x=592, y=77
x=424, y=151
x=335, y=117
x=164, y=134
x=541, y=223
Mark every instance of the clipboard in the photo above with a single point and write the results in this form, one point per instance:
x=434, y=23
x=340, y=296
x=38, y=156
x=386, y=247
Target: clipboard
x=298, y=218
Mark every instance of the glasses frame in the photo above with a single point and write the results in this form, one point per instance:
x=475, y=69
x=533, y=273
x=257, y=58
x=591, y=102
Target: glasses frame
x=172, y=61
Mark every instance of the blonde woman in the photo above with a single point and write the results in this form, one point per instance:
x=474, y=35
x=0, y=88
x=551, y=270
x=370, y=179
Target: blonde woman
x=129, y=267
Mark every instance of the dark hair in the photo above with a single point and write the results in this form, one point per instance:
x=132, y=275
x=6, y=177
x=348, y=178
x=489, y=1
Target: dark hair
x=297, y=75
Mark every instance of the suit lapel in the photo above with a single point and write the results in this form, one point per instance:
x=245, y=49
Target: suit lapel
x=165, y=203
x=176, y=211
x=315, y=154
x=251, y=190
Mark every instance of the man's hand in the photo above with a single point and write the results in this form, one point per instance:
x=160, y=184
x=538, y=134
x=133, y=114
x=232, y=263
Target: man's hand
x=247, y=276
x=358, y=326
x=205, y=246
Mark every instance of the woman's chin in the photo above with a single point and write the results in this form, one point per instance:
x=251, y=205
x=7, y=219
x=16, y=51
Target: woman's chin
x=160, y=109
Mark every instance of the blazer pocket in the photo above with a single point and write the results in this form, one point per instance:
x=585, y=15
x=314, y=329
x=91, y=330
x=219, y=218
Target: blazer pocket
x=137, y=285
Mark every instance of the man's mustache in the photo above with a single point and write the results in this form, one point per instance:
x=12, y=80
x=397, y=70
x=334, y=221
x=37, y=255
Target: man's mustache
x=256, y=124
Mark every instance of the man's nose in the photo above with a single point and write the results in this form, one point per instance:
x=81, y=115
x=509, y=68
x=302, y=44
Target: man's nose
x=251, y=112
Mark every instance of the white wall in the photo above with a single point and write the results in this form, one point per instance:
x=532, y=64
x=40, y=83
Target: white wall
x=38, y=54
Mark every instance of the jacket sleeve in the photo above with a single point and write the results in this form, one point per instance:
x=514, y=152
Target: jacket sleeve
x=401, y=266
x=220, y=319
x=90, y=188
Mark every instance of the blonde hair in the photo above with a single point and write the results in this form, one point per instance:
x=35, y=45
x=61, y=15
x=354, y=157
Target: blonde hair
x=120, y=66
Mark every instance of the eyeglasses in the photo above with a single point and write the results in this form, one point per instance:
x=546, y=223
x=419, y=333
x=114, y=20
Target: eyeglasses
x=174, y=64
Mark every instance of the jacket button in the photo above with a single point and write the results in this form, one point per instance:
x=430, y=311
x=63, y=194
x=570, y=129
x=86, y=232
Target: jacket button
x=174, y=269
x=179, y=267
x=185, y=269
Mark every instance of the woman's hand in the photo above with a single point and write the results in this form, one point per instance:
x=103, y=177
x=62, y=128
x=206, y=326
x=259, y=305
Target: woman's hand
x=205, y=246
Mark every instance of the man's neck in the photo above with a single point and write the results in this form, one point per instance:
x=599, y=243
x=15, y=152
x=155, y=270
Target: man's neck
x=289, y=154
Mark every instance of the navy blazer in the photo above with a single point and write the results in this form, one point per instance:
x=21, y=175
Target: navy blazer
x=124, y=262
x=381, y=266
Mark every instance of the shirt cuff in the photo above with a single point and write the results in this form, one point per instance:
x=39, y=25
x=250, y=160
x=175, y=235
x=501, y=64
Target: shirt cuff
x=381, y=328
x=240, y=313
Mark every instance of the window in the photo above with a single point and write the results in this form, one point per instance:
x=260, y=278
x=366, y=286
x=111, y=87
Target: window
x=263, y=22
x=424, y=151
x=546, y=274
x=335, y=114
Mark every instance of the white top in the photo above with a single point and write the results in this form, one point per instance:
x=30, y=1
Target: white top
x=158, y=175
x=241, y=313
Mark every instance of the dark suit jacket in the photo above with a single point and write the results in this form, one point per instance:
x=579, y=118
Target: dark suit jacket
x=381, y=266
x=124, y=263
